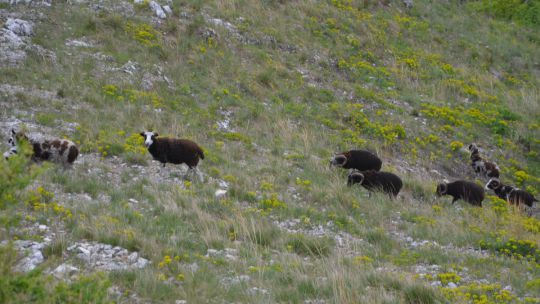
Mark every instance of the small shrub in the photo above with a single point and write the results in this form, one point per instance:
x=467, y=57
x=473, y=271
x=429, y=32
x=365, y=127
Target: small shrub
x=15, y=174
x=456, y=145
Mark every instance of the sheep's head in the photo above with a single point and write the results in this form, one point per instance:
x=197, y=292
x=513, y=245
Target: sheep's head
x=493, y=184
x=506, y=190
x=473, y=148
x=12, y=140
x=338, y=160
x=18, y=137
x=149, y=137
x=441, y=189
x=355, y=177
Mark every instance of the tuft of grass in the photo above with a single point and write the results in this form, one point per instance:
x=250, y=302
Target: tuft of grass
x=419, y=294
x=310, y=246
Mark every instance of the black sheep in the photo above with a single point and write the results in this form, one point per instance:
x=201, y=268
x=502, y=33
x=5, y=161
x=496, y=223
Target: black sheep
x=376, y=181
x=361, y=160
x=467, y=191
x=512, y=195
x=173, y=150
x=480, y=166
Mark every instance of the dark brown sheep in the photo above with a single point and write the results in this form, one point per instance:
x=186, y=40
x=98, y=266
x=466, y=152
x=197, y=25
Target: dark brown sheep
x=512, y=195
x=173, y=150
x=482, y=167
x=361, y=160
x=376, y=181
x=467, y=191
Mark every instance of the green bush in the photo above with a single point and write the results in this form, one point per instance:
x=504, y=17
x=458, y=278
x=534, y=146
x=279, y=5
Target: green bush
x=523, y=12
x=15, y=174
x=519, y=249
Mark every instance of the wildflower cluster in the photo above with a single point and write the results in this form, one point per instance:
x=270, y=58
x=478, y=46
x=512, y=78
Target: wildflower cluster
x=456, y=145
x=171, y=267
x=134, y=147
x=522, y=177
x=132, y=96
x=531, y=224
x=498, y=205
x=468, y=90
x=423, y=220
x=497, y=120
x=347, y=5
x=518, y=249
x=41, y=200
x=234, y=136
x=272, y=202
x=275, y=267
x=448, y=277
x=304, y=183
x=389, y=133
x=478, y=293
x=143, y=33
x=410, y=23
x=362, y=260
x=427, y=140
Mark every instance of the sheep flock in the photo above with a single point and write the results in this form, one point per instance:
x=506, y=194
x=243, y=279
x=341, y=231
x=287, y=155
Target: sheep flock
x=364, y=167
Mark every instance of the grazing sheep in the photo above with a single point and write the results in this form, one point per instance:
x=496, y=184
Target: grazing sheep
x=376, y=181
x=173, y=150
x=512, y=195
x=361, y=160
x=57, y=150
x=467, y=191
x=480, y=166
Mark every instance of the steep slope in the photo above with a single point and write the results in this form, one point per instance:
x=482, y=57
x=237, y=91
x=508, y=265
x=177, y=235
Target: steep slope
x=270, y=89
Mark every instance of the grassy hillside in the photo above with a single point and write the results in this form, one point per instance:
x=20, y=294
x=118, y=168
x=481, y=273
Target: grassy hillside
x=271, y=89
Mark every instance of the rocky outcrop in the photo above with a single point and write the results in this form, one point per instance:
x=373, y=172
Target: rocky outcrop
x=106, y=257
x=20, y=27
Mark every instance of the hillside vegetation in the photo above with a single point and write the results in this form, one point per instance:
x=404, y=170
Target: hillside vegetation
x=270, y=90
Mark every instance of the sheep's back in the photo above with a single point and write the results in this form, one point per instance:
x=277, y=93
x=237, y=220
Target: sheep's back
x=180, y=150
x=519, y=196
x=467, y=191
x=362, y=160
x=385, y=181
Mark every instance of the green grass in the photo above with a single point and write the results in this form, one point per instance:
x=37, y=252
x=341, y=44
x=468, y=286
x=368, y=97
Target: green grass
x=302, y=81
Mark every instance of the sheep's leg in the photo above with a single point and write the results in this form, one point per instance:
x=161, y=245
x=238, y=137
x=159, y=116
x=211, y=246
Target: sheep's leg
x=161, y=168
x=199, y=174
x=188, y=173
x=454, y=200
x=196, y=173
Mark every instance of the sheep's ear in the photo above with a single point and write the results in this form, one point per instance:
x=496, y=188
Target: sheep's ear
x=155, y=134
x=13, y=132
x=142, y=134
